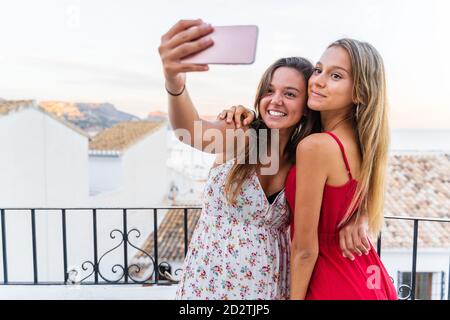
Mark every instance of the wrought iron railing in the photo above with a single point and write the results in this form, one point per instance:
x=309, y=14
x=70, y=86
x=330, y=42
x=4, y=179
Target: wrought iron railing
x=162, y=272
x=407, y=291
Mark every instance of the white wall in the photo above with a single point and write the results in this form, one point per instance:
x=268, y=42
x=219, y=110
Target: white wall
x=44, y=164
x=143, y=173
x=146, y=170
x=428, y=260
x=105, y=174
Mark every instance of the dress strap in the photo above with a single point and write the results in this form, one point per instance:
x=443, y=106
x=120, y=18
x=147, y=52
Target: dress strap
x=341, y=146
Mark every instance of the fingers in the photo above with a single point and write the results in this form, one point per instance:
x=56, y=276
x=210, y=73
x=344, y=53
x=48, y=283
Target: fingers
x=176, y=44
x=222, y=115
x=189, y=48
x=235, y=114
x=343, y=244
x=180, y=26
x=175, y=68
x=230, y=114
x=190, y=67
x=240, y=110
x=349, y=246
x=357, y=245
x=249, y=117
x=190, y=34
x=365, y=241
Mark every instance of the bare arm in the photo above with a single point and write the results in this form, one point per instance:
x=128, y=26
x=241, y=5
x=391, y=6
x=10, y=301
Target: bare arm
x=311, y=178
x=185, y=38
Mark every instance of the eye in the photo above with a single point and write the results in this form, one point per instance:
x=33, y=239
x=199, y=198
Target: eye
x=317, y=71
x=269, y=91
x=336, y=76
x=290, y=94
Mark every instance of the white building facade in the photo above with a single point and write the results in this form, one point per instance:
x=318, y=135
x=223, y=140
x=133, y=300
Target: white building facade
x=46, y=163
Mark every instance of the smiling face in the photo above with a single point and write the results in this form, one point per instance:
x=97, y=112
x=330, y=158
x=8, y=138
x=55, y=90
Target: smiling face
x=284, y=102
x=330, y=86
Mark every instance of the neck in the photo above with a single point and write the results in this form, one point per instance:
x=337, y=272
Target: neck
x=334, y=118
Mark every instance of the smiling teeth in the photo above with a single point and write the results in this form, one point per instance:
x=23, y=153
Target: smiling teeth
x=276, y=113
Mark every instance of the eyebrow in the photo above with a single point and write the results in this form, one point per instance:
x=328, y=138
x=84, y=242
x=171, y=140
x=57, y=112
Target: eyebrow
x=288, y=88
x=334, y=67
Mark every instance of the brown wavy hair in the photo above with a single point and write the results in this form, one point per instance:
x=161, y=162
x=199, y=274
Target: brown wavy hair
x=240, y=172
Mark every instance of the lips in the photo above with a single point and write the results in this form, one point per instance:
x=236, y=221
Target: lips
x=317, y=94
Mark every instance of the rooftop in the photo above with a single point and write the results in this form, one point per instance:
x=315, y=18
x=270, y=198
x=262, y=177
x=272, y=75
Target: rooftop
x=418, y=186
x=7, y=107
x=123, y=135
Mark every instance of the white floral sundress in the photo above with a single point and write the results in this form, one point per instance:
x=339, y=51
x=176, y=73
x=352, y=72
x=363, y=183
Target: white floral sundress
x=238, y=251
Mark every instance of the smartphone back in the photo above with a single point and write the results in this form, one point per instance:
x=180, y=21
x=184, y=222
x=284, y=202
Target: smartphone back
x=232, y=45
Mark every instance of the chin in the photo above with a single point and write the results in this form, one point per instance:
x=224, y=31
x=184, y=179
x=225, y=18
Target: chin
x=278, y=124
x=315, y=106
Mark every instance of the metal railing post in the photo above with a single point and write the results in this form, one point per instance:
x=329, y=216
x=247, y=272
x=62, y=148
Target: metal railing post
x=414, y=262
x=33, y=238
x=155, y=246
x=94, y=222
x=64, y=234
x=125, y=245
x=4, y=250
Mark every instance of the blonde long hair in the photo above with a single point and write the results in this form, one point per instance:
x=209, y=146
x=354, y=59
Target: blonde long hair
x=240, y=172
x=372, y=130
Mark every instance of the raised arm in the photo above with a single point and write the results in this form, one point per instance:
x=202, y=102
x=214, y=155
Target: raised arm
x=185, y=38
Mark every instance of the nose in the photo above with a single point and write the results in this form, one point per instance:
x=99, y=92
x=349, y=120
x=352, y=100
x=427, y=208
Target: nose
x=318, y=80
x=276, y=98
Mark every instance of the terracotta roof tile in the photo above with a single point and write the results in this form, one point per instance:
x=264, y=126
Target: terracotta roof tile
x=123, y=135
x=418, y=186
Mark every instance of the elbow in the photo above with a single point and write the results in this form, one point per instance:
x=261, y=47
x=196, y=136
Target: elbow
x=305, y=252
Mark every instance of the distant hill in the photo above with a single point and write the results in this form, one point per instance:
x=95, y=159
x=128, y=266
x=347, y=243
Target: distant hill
x=91, y=117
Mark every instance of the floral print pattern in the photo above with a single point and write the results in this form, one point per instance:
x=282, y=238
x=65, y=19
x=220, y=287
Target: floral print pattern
x=241, y=250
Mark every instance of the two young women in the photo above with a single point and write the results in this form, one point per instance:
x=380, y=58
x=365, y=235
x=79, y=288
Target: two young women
x=241, y=247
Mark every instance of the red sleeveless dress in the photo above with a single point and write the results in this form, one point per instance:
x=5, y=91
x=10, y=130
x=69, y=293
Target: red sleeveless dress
x=335, y=277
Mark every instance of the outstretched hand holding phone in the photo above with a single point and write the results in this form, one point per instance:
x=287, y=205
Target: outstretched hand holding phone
x=185, y=38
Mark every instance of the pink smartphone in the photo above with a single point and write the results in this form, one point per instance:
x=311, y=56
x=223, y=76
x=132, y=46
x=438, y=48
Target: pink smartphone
x=232, y=45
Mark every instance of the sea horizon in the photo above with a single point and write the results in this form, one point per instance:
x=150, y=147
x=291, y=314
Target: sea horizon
x=420, y=140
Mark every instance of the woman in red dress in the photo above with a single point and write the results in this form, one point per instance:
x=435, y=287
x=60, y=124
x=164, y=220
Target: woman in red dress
x=338, y=180
x=339, y=175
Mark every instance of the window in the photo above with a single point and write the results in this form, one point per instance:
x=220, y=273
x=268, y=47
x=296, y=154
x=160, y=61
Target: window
x=429, y=285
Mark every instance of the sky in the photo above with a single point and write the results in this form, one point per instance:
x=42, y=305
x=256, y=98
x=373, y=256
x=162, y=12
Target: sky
x=107, y=51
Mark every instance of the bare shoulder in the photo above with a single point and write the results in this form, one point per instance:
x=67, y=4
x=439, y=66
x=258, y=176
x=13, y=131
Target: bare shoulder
x=318, y=145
